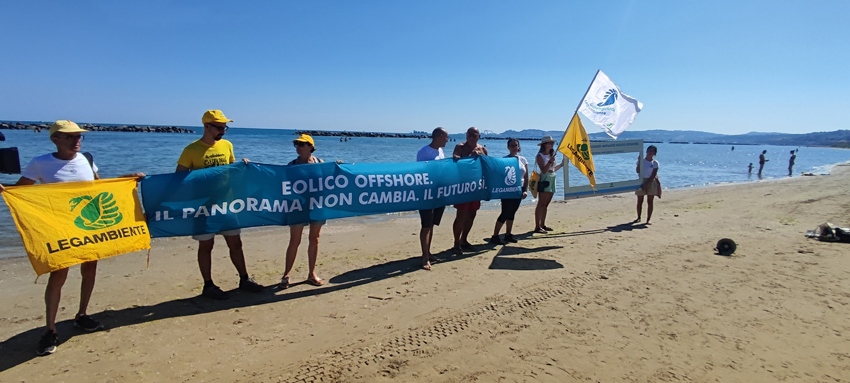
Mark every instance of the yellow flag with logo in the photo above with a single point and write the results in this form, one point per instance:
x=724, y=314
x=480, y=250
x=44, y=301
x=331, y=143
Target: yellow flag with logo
x=63, y=224
x=576, y=147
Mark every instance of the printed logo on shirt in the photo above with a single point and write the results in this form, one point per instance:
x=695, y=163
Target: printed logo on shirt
x=214, y=160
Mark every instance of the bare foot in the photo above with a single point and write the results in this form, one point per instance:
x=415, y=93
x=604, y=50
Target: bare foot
x=648, y=223
x=426, y=266
x=637, y=220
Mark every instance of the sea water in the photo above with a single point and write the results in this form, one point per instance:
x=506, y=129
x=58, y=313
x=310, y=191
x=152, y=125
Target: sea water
x=681, y=165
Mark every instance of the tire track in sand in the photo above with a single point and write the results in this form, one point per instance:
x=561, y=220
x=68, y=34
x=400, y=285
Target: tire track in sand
x=346, y=360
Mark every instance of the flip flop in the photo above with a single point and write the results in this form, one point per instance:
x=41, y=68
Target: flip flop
x=284, y=283
x=315, y=282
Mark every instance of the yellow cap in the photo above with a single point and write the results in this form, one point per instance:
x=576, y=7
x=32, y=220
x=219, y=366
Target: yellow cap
x=65, y=126
x=214, y=116
x=305, y=138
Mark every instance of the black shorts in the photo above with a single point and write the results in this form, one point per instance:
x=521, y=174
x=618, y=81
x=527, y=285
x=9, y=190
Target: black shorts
x=431, y=217
x=509, y=208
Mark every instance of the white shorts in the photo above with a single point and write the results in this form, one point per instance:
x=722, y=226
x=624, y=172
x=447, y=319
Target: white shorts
x=209, y=236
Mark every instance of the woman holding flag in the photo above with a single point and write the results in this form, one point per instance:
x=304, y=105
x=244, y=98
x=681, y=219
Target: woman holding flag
x=545, y=160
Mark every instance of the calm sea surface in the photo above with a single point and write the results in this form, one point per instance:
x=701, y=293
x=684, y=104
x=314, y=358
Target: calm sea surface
x=681, y=165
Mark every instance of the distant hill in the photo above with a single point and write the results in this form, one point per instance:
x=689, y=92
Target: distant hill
x=838, y=138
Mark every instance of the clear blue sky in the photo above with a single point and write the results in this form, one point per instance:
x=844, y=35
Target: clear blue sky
x=719, y=66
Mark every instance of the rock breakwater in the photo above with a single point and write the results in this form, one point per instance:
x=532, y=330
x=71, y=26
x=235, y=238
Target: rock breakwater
x=98, y=128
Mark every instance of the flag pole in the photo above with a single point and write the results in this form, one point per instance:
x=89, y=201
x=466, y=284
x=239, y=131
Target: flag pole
x=585, y=95
x=588, y=89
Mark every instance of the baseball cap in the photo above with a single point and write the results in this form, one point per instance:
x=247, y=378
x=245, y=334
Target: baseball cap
x=305, y=138
x=65, y=126
x=214, y=116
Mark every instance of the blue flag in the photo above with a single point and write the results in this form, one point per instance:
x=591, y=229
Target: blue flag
x=247, y=195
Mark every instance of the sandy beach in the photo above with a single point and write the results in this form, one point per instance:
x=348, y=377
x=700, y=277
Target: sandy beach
x=599, y=299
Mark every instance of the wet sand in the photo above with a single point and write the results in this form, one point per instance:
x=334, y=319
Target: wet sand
x=599, y=299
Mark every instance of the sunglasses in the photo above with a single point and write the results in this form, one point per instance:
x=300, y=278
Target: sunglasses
x=301, y=143
x=73, y=138
x=220, y=128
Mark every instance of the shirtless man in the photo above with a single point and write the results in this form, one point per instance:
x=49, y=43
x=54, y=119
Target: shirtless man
x=466, y=211
x=762, y=160
x=791, y=162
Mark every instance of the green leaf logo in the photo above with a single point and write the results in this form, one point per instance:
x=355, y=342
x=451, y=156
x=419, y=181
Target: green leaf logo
x=96, y=213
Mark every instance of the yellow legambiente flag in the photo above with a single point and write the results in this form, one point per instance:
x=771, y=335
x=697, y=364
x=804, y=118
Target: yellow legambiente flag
x=576, y=147
x=63, y=224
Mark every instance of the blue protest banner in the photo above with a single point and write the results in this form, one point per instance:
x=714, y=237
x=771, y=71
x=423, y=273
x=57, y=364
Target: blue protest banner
x=246, y=195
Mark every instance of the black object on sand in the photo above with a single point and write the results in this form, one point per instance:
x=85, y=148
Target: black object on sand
x=725, y=246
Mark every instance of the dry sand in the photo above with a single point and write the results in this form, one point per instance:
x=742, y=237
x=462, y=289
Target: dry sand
x=597, y=300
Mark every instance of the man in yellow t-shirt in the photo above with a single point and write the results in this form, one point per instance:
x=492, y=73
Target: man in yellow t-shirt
x=211, y=151
x=200, y=155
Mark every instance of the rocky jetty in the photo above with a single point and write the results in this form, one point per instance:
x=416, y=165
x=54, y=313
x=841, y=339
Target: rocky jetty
x=318, y=133
x=99, y=128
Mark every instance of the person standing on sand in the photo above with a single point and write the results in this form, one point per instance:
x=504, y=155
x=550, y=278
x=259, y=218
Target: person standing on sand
x=466, y=211
x=649, y=187
x=545, y=160
x=211, y=151
x=511, y=205
x=65, y=165
x=762, y=160
x=431, y=217
x=304, y=146
x=791, y=162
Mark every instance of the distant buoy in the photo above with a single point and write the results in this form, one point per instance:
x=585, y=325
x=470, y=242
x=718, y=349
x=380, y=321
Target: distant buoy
x=725, y=246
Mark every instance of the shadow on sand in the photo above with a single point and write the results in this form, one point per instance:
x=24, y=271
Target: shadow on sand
x=20, y=348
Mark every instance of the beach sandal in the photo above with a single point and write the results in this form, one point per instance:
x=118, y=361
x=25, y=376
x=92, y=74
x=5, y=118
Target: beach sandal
x=540, y=231
x=315, y=282
x=284, y=283
x=547, y=228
